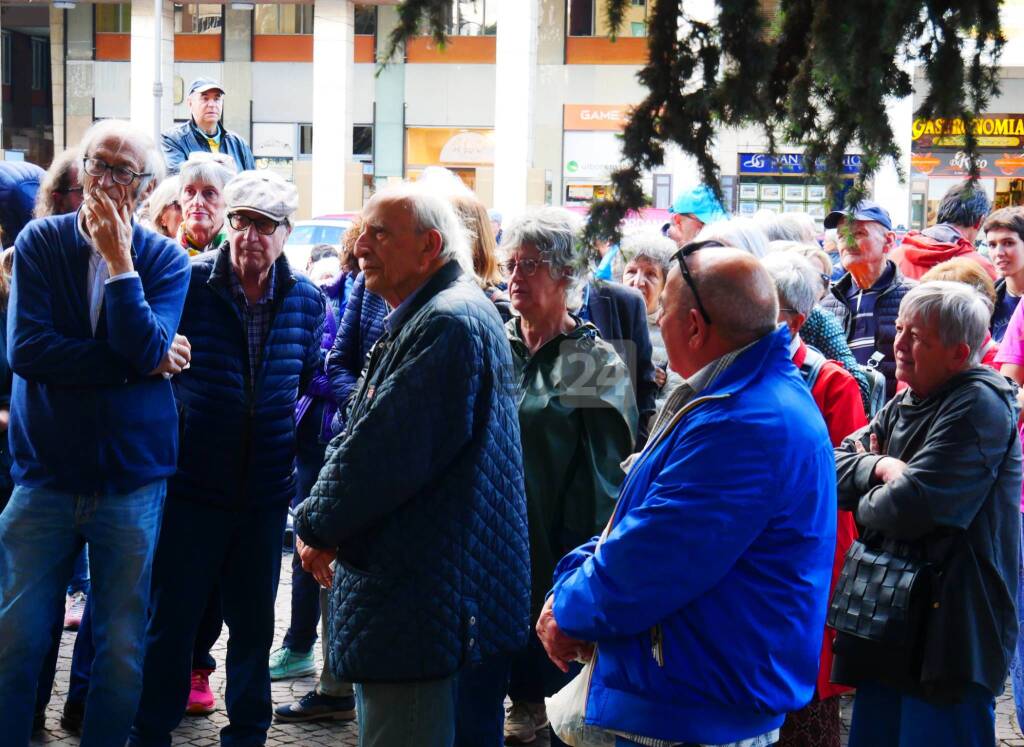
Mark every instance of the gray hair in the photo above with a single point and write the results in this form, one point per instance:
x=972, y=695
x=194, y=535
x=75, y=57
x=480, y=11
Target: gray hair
x=960, y=314
x=207, y=168
x=653, y=247
x=740, y=233
x=798, y=227
x=795, y=279
x=432, y=211
x=165, y=193
x=123, y=130
x=555, y=233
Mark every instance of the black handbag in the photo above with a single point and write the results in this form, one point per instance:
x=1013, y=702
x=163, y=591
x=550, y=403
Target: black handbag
x=883, y=595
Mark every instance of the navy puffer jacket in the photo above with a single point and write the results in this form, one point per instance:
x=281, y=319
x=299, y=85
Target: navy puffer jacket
x=237, y=443
x=422, y=496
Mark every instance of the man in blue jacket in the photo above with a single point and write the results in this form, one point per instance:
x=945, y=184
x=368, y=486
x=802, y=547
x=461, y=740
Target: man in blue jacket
x=421, y=501
x=95, y=302
x=204, y=130
x=255, y=326
x=707, y=597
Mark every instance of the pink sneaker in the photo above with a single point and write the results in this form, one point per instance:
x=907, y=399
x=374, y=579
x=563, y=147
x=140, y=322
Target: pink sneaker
x=74, y=608
x=200, y=697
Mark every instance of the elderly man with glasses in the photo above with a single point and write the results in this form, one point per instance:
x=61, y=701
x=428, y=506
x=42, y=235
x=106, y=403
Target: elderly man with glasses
x=95, y=302
x=707, y=597
x=255, y=327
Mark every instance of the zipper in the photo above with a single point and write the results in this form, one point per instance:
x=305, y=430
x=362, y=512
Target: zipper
x=657, y=645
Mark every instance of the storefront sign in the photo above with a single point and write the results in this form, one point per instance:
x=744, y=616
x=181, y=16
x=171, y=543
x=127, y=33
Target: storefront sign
x=996, y=131
x=612, y=117
x=954, y=163
x=448, y=146
x=590, y=155
x=788, y=163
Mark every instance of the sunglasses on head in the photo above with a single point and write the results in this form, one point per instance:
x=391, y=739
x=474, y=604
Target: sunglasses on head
x=680, y=257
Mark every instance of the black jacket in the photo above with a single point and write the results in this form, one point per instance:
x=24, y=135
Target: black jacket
x=178, y=141
x=620, y=316
x=958, y=505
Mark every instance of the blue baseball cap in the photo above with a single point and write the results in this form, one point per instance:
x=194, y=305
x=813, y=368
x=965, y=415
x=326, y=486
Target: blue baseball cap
x=202, y=85
x=700, y=202
x=865, y=210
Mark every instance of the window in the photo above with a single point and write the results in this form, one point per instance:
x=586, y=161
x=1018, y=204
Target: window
x=305, y=139
x=114, y=19
x=283, y=19
x=366, y=20
x=581, y=17
x=40, y=50
x=5, y=42
x=196, y=18
x=472, y=18
x=362, y=141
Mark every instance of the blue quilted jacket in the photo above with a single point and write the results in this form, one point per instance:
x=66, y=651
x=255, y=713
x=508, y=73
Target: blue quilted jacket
x=237, y=443
x=422, y=496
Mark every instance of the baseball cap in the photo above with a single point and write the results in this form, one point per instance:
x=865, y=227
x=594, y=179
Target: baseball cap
x=701, y=202
x=263, y=192
x=865, y=210
x=202, y=85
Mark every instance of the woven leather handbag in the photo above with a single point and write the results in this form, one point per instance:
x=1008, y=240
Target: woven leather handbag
x=883, y=595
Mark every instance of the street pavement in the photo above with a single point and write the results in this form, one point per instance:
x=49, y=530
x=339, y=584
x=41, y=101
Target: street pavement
x=203, y=731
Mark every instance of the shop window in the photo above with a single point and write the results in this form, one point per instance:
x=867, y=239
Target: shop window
x=588, y=18
x=472, y=18
x=362, y=141
x=366, y=20
x=305, y=139
x=196, y=18
x=662, y=191
x=5, y=43
x=581, y=17
x=39, y=53
x=283, y=19
x=114, y=19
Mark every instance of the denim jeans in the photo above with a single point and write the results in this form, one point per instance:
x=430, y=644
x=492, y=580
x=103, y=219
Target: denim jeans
x=41, y=533
x=81, y=664
x=202, y=546
x=885, y=717
x=80, y=577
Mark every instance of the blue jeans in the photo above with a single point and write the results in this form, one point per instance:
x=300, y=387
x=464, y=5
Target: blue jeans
x=41, y=532
x=203, y=546
x=80, y=577
x=884, y=717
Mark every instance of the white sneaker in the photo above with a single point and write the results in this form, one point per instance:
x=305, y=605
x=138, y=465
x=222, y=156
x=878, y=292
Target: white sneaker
x=523, y=721
x=74, y=608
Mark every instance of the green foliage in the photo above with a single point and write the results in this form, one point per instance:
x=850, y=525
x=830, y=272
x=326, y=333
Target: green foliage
x=819, y=78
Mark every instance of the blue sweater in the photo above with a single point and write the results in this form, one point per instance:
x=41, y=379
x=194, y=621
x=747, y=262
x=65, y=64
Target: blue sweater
x=721, y=547
x=86, y=416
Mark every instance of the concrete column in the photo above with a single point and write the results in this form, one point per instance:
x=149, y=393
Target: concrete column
x=515, y=78
x=389, y=95
x=79, y=87
x=238, y=70
x=142, y=72
x=333, y=39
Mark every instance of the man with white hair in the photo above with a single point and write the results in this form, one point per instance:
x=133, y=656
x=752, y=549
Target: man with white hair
x=418, y=520
x=255, y=326
x=95, y=303
x=934, y=482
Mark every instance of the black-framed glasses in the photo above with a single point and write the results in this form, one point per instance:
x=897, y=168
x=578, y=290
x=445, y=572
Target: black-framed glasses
x=264, y=225
x=527, y=267
x=120, y=174
x=680, y=257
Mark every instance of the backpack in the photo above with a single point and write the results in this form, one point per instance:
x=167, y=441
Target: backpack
x=811, y=367
x=876, y=384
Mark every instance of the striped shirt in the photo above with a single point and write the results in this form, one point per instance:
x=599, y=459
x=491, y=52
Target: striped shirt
x=862, y=308
x=257, y=318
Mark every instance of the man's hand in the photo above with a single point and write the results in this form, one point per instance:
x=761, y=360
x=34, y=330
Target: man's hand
x=560, y=648
x=887, y=468
x=176, y=359
x=660, y=376
x=110, y=229
x=317, y=563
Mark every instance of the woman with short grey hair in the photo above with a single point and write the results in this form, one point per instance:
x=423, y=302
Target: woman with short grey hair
x=162, y=211
x=577, y=420
x=203, y=208
x=959, y=313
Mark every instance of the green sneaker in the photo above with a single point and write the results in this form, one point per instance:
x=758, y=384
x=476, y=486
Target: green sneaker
x=285, y=664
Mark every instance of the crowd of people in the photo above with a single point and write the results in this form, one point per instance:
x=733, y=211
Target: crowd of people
x=688, y=494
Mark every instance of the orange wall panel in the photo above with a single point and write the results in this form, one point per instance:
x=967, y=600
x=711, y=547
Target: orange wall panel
x=113, y=46
x=197, y=47
x=600, y=50
x=282, y=48
x=459, y=49
x=363, y=48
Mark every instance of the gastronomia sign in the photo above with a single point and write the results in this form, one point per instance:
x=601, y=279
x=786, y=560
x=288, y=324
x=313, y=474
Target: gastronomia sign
x=991, y=131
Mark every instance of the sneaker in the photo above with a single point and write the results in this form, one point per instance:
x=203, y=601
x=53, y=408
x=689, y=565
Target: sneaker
x=523, y=721
x=200, y=697
x=316, y=707
x=74, y=607
x=285, y=664
x=71, y=719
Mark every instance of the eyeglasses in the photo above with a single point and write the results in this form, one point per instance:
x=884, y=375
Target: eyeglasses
x=120, y=174
x=680, y=256
x=527, y=267
x=265, y=226
x=67, y=190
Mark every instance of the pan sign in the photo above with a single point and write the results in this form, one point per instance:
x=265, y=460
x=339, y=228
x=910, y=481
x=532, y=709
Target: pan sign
x=993, y=131
x=788, y=163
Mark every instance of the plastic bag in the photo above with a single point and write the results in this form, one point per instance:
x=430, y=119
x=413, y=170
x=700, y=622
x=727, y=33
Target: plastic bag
x=567, y=711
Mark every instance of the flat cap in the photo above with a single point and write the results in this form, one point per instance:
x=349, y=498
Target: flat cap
x=262, y=192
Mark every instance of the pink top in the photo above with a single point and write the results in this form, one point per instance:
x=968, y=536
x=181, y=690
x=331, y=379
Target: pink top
x=1011, y=350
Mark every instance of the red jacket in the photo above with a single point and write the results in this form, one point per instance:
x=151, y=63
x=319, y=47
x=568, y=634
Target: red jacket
x=837, y=395
x=919, y=253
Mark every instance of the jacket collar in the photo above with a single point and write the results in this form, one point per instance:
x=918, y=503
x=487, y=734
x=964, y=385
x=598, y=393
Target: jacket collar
x=772, y=350
x=447, y=276
x=202, y=136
